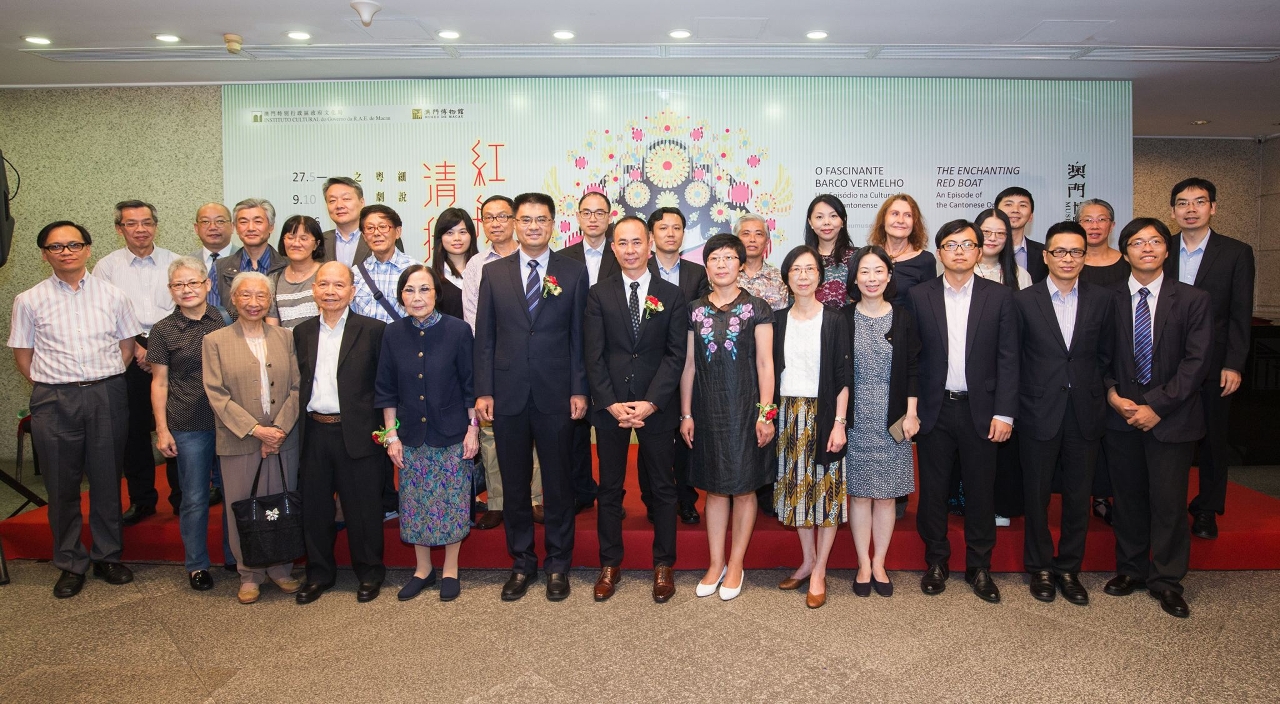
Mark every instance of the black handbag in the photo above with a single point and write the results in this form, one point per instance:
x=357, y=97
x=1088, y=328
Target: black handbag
x=270, y=526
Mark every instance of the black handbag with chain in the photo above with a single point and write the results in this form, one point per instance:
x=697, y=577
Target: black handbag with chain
x=270, y=526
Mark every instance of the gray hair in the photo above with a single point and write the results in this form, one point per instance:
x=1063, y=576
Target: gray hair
x=263, y=203
x=131, y=204
x=1111, y=212
x=246, y=276
x=188, y=262
x=749, y=217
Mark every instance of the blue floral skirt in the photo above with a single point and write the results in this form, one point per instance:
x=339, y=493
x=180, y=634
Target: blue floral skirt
x=435, y=495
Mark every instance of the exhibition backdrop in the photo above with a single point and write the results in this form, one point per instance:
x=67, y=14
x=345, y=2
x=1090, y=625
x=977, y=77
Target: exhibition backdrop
x=714, y=147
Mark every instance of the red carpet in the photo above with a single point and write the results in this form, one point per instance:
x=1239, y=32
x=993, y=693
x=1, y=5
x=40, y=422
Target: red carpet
x=1249, y=539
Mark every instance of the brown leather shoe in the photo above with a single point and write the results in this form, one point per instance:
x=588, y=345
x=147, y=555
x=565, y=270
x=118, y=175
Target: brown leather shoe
x=815, y=601
x=539, y=514
x=607, y=582
x=664, y=584
x=790, y=584
x=489, y=520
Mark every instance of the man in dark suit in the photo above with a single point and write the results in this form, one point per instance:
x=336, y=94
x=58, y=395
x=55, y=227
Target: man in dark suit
x=1224, y=267
x=344, y=198
x=1164, y=337
x=1018, y=204
x=1066, y=352
x=531, y=383
x=254, y=219
x=666, y=228
x=338, y=363
x=635, y=331
x=968, y=329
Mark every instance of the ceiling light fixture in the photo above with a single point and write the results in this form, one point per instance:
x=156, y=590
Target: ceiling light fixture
x=681, y=34
x=817, y=34
x=447, y=34
x=1198, y=123
x=563, y=34
x=37, y=40
x=168, y=38
x=300, y=36
x=366, y=9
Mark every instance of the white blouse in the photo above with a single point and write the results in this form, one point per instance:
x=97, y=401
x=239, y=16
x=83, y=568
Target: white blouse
x=803, y=352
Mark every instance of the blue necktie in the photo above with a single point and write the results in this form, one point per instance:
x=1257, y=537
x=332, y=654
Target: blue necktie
x=533, y=287
x=1142, y=338
x=213, y=299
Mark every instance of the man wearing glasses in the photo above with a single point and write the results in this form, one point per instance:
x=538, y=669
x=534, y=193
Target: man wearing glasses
x=141, y=270
x=254, y=219
x=213, y=227
x=72, y=335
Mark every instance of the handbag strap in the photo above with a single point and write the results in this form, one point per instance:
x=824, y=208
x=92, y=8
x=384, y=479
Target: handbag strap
x=377, y=293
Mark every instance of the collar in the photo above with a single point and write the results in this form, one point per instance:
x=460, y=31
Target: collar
x=225, y=251
x=966, y=288
x=399, y=261
x=588, y=249
x=432, y=319
x=264, y=262
x=1153, y=287
x=644, y=280
x=337, y=231
x=1199, y=248
x=84, y=278
x=342, y=322
x=542, y=259
x=135, y=259
x=1056, y=294
x=673, y=270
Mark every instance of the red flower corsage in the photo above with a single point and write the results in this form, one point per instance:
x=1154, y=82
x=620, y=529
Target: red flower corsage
x=652, y=305
x=551, y=286
x=767, y=412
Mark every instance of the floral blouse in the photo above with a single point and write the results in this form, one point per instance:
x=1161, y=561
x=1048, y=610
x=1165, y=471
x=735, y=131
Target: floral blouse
x=832, y=292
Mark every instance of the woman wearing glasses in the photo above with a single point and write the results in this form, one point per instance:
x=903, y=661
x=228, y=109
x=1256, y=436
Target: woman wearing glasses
x=302, y=243
x=899, y=229
x=827, y=231
x=1103, y=265
x=455, y=245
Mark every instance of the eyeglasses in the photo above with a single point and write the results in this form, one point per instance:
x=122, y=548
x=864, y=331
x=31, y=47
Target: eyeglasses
x=967, y=245
x=131, y=224
x=499, y=218
x=994, y=234
x=1095, y=221
x=802, y=270
x=593, y=214
x=206, y=222
x=1060, y=253
x=1156, y=242
x=540, y=221
x=381, y=228
x=57, y=247
x=252, y=295
x=722, y=260
x=1198, y=202
x=181, y=285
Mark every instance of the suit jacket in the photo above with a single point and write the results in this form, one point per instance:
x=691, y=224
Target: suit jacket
x=1036, y=267
x=1226, y=272
x=693, y=278
x=835, y=371
x=518, y=356
x=608, y=263
x=233, y=383
x=1052, y=373
x=622, y=367
x=1182, y=338
x=357, y=371
x=226, y=269
x=362, y=247
x=991, y=351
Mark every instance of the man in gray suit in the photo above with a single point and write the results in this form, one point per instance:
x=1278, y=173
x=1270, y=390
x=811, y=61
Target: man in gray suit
x=344, y=198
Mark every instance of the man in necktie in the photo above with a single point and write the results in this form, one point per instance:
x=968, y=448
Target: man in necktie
x=213, y=228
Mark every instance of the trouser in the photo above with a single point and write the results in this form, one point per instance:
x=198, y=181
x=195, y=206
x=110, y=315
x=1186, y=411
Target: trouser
x=954, y=437
x=584, y=483
x=515, y=436
x=686, y=495
x=1040, y=458
x=196, y=455
x=327, y=469
x=493, y=475
x=1214, y=449
x=1007, y=498
x=80, y=431
x=237, y=483
x=139, y=459
x=657, y=448
x=1149, y=478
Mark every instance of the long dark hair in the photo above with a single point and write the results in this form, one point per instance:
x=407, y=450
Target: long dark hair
x=1008, y=264
x=843, y=243
x=449, y=219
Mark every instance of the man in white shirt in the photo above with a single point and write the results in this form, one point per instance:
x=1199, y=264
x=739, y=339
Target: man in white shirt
x=214, y=228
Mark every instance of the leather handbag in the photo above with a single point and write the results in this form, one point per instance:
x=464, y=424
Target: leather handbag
x=270, y=526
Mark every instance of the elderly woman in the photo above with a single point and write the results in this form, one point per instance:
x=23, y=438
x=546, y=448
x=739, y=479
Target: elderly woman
x=251, y=379
x=826, y=229
x=302, y=243
x=455, y=235
x=811, y=368
x=899, y=230
x=727, y=388
x=1103, y=265
x=759, y=278
x=431, y=432
x=184, y=421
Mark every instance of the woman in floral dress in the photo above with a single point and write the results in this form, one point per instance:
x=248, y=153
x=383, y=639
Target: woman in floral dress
x=826, y=230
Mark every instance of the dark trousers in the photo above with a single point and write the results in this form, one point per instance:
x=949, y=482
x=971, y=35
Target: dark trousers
x=1214, y=449
x=954, y=437
x=80, y=431
x=514, y=437
x=139, y=460
x=1150, y=482
x=327, y=469
x=1039, y=460
x=657, y=448
x=584, y=483
x=1007, y=498
x=686, y=495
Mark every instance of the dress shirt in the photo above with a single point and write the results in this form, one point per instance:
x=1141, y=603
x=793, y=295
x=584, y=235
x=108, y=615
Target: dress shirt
x=672, y=275
x=593, y=258
x=1189, y=262
x=261, y=265
x=471, y=285
x=74, y=335
x=957, y=303
x=144, y=280
x=1064, y=307
x=206, y=255
x=542, y=266
x=344, y=246
x=1152, y=297
x=324, y=387
x=385, y=275
x=642, y=292
x=1020, y=253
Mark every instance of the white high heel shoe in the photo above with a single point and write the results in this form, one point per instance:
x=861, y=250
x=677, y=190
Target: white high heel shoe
x=709, y=589
x=726, y=593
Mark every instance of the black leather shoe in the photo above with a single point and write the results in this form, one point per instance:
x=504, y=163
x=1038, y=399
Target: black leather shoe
x=368, y=591
x=201, y=580
x=1172, y=603
x=112, y=572
x=557, y=586
x=1205, y=525
x=1123, y=585
x=1072, y=590
x=1042, y=586
x=231, y=567
x=517, y=584
x=215, y=496
x=580, y=506
x=934, y=580
x=136, y=513
x=311, y=591
x=68, y=585
x=649, y=515
x=980, y=580
x=689, y=515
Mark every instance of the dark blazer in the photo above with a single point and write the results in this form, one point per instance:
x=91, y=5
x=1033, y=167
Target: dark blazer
x=904, y=364
x=622, y=367
x=226, y=268
x=693, y=278
x=1182, y=337
x=357, y=370
x=835, y=371
x=426, y=376
x=518, y=356
x=991, y=351
x=1052, y=372
x=1226, y=272
x=362, y=247
x=608, y=262
x=1036, y=267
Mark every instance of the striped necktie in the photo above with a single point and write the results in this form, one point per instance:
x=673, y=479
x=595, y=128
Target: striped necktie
x=533, y=287
x=1142, y=338
x=214, y=299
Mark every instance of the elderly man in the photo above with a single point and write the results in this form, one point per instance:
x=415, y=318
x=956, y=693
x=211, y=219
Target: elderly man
x=377, y=274
x=72, y=335
x=213, y=228
x=254, y=219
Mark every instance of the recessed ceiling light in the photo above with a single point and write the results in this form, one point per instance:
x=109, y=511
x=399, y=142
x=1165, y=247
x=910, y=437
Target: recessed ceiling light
x=168, y=38
x=817, y=34
x=563, y=34
x=681, y=34
x=37, y=40
x=298, y=35
x=447, y=34
x=1197, y=123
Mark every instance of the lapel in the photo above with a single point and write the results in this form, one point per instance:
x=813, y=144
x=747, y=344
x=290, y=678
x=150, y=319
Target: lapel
x=938, y=301
x=517, y=281
x=620, y=299
x=976, y=302
x=1044, y=300
x=350, y=333
x=1125, y=302
x=1211, y=252
x=1164, y=304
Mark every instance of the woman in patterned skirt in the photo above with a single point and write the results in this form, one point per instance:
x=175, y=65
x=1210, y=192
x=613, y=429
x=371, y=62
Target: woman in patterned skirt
x=879, y=467
x=727, y=388
x=424, y=388
x=812, y=367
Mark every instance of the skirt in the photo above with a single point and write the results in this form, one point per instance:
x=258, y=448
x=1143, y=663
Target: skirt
x=807, y=494
x=435, y=495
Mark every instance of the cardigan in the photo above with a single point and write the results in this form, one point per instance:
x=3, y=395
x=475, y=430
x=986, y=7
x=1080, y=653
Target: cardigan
x=835, y=371
x=426, y=376
x=904, y=365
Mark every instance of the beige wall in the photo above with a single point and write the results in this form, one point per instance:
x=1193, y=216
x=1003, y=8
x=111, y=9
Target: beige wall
x=1268, y=301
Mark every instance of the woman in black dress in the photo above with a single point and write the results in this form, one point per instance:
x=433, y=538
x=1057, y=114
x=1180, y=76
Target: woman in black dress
x=1103, y=265
x=455, y=245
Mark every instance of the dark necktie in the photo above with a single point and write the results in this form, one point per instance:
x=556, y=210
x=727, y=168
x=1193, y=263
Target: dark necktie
x=214, y=299
x=1142, y=338
x=635, y=308
x=533, y=287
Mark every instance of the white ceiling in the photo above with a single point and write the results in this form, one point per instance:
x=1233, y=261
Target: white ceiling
x=1241, y=98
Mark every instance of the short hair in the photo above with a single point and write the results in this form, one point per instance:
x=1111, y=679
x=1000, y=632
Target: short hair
x=629, y=218
x=656, y=217
x=195, y=264
x=43, y=236
x=1014, y=191
x=750, y=217
x=1137, y=225
x=1007, y=261
x=919, y=237
x=410, y=271
x=1111, y=212
x=127, y=204
x=723, y=241
x=510, y=203
x=851, y=279
x=1066, y=227
x=251, y=203
x=843, y=243
x=1193, y=182
x=379, y=209
x=215, y=204
x=950, y=228
x=447, y=220
x=534, y=198
x=795, y=253
x=342, y=181
x=607, y=204
x=245, y=277
x=312, y=227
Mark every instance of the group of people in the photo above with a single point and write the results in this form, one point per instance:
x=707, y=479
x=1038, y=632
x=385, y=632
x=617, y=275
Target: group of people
x=336, y=365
